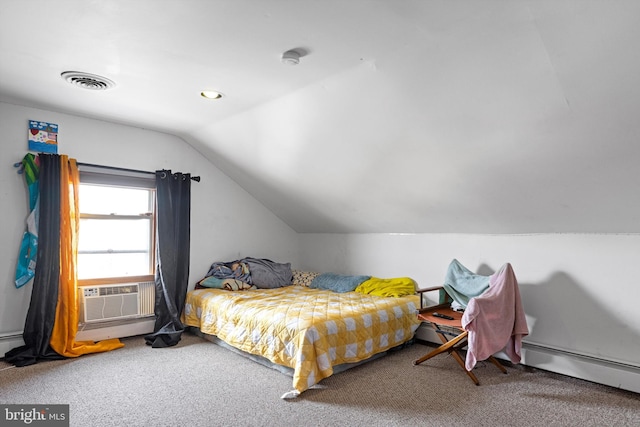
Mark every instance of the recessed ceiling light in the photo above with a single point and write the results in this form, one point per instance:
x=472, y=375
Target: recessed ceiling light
x=87, y=80
x=211, y=94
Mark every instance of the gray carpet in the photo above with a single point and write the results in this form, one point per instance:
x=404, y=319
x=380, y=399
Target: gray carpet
x=198, y=383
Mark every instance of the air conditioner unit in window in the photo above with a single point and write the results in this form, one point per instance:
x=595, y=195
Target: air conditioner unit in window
x=111, y=302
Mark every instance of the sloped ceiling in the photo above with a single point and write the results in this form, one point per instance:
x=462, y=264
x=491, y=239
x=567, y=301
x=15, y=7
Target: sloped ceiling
x=403, y=116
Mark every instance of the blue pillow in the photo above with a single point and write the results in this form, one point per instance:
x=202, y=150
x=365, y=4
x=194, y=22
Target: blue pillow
x=211, y=282
x=337, y=282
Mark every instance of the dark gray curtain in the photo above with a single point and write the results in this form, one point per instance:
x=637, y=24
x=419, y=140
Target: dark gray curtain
x=173, y=195
x=44, y=294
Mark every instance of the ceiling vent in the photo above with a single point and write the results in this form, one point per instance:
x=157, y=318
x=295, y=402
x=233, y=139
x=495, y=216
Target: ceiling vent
x=87, y=81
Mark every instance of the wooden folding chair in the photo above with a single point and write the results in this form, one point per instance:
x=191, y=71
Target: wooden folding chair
x=447, y=325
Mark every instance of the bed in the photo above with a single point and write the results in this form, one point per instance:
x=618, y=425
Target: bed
x=314, y=332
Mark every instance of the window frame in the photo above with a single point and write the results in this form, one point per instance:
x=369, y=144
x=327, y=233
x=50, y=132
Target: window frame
x=124, y=178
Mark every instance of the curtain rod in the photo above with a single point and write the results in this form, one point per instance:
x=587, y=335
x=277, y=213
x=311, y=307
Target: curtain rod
x=193, y=178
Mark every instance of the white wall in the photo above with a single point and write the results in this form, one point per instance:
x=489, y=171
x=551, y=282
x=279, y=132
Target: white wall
x=226, y=222
x=580, y=291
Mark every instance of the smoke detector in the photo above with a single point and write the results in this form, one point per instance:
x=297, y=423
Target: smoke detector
x=291, y=57
x=87, y=80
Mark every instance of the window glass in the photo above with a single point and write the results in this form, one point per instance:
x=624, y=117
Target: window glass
x=108, y=235
x=112, y=265
x=101, y=199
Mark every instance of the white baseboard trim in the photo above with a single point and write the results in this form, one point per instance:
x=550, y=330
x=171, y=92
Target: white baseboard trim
x=9, y=341
x=602, y=371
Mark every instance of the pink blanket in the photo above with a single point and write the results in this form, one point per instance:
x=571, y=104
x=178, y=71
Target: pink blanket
x=496, y=320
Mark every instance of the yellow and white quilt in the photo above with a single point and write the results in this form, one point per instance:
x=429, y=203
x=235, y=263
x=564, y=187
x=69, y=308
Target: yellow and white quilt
x=308, y=330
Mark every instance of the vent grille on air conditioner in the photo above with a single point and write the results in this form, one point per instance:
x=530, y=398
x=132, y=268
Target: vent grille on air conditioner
x=118, y=290
x=111, y=302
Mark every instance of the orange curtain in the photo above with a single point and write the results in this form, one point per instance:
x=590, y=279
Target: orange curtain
x=66, y=320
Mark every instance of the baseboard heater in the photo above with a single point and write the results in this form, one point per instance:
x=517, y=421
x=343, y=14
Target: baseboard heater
x=11, y=336
x=586, y=357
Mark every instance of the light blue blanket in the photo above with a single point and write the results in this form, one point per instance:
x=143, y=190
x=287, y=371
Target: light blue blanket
x=337, y=282
x=462, y=284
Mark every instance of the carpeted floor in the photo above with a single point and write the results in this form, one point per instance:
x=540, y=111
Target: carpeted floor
x=198, y=383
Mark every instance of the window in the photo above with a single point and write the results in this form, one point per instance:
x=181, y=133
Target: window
x=117, y=221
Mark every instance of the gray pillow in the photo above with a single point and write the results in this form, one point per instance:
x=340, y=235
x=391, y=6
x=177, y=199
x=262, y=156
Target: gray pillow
x=267, y=274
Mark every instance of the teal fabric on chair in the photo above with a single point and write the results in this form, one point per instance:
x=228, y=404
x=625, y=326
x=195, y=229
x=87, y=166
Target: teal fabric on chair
x=462, y=284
